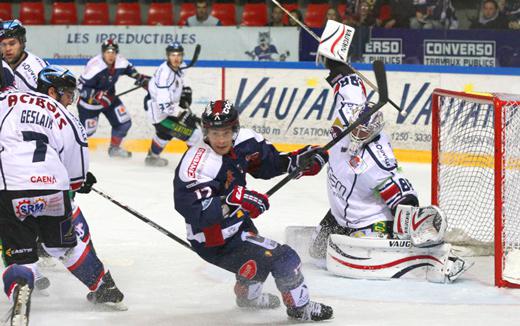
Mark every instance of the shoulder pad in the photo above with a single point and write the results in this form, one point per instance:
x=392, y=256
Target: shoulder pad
x=245, y=134
x=31, y=58
x=94, y=66
x=163, y=76
x=200, y=164
x=121, y=62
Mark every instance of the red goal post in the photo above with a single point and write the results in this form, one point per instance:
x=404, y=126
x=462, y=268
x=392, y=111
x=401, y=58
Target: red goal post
x=476, y=174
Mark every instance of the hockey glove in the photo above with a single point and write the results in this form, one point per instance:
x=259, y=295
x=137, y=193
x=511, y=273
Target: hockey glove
x=142, y=80
x=185, y=101
x=189, y=119
x=310, y=160
x=253, y=202
x=103, y=98
x=90, y=180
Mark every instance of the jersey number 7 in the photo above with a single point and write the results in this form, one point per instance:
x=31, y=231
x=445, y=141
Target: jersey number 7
x=41, y=144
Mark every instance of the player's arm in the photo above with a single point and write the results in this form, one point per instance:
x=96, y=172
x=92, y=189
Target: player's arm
x=140, y=79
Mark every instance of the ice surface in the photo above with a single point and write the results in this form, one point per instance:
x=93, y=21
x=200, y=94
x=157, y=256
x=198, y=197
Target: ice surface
x=166, y=284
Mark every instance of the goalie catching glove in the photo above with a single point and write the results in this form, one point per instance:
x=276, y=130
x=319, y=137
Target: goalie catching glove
x=310, y=160
x=424, y=226
x=249, y=200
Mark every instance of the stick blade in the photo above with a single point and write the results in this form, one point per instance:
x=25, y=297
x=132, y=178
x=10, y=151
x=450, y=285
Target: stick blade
x=379, y=70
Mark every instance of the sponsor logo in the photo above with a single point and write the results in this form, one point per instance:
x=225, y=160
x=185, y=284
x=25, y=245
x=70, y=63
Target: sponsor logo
x=192, y=168
x=416, y=223
x=10, y=252
x=45, y=179
x=26, y=207
x=13, y=99
x=248, y=269
x=399, y=243
x=460, y=53
x=387, y=50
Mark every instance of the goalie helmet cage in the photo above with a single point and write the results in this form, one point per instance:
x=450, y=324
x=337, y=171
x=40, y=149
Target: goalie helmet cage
x=476, y=174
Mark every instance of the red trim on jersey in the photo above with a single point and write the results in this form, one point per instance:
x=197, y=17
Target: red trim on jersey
x=76, y=213
x=364, y=88
x=80, y=260
x=213, y=235
x=76, y=185
x=390, y=192
x=387, y=265
x=336, y=88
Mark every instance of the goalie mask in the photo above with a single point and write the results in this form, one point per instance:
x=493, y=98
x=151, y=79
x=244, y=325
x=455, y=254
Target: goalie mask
x=367, y=130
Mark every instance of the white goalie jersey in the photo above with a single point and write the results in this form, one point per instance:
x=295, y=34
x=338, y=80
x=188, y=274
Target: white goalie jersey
x=42, y=145
x=365, y=185
x=165, y=89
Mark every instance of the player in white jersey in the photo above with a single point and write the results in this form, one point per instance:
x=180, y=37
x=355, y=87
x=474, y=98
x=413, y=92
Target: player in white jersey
x=168, y=106
x=24, y=64
x=366, y=191
x=43, y=155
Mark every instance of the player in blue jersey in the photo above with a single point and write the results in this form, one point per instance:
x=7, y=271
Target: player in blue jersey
x=98, y=95
x=210, y=193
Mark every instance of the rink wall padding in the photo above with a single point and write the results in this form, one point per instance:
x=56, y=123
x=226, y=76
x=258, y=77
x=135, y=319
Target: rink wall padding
x=290, y=103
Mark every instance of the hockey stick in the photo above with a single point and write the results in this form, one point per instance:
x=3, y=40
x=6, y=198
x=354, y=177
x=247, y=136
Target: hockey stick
x=192, y=62
x=144, y=219
x=379, y=71
x=317, y=38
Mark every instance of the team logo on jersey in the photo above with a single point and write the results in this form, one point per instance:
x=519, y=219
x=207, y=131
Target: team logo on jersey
x=248, y=269
x=26, y=207
x=357, y=164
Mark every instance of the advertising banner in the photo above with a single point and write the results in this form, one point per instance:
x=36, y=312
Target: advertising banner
x=470, y=48
x=149, y=42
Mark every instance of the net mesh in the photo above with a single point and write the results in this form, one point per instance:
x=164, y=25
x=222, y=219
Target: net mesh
x=466, y=171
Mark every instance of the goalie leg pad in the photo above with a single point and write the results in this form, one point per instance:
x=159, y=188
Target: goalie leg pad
x=363, y=258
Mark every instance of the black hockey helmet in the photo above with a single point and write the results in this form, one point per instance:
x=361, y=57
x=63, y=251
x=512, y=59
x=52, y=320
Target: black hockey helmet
x=174, y=47
x=12, y=29
x=110, y=44
x=220, y=114
x=58, y=77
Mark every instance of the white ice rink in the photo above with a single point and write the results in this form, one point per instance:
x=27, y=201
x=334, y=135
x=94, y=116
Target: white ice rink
x=166, y=284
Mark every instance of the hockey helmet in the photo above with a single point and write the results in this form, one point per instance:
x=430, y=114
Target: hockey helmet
x=220, y=114
x=12, y=29
x=368, y=129
x=174, y=47
x=111, y=45
x=58, y=77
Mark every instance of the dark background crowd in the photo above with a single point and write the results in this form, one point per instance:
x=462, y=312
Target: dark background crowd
x=414, y=14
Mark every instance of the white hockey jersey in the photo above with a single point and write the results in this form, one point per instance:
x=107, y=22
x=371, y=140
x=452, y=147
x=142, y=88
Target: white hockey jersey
x=26, y=72
x=42, y=144
x=165, y=89
x=361, y=188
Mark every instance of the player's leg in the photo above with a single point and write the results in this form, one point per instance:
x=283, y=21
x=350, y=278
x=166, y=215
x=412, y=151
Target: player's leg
x=121, y=122
x=162, y=137
x=82, y=261
x=89, y=119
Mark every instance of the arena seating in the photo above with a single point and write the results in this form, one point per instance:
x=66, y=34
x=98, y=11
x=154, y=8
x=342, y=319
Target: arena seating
x=315, y=14
x=160, y=13
x=254, y=14
x=289, y=7
x=64, y=13
x=32, y=13
x=225, y=12
x=187, y=9
x=96, y=14
x=128, y=13
x=6, y=11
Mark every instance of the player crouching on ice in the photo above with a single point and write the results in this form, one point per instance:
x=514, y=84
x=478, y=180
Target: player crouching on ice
x=210, y=192
x=375, y=228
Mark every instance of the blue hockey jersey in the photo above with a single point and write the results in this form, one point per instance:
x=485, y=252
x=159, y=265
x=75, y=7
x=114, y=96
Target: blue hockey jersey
x=204, y=178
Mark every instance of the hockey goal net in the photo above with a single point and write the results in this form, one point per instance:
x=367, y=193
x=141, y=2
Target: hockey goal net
x=476, y=175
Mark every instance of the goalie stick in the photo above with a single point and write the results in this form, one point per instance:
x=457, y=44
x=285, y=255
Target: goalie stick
x=144, y=219
x=193, y=61
x=357, y=72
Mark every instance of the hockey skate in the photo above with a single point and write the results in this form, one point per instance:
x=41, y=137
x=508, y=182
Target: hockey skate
x=116, y=151
x=455, y=267
x=313, y=311
x=19, y=313
x=108, y=294
x=264, y=301
x=155, y=160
